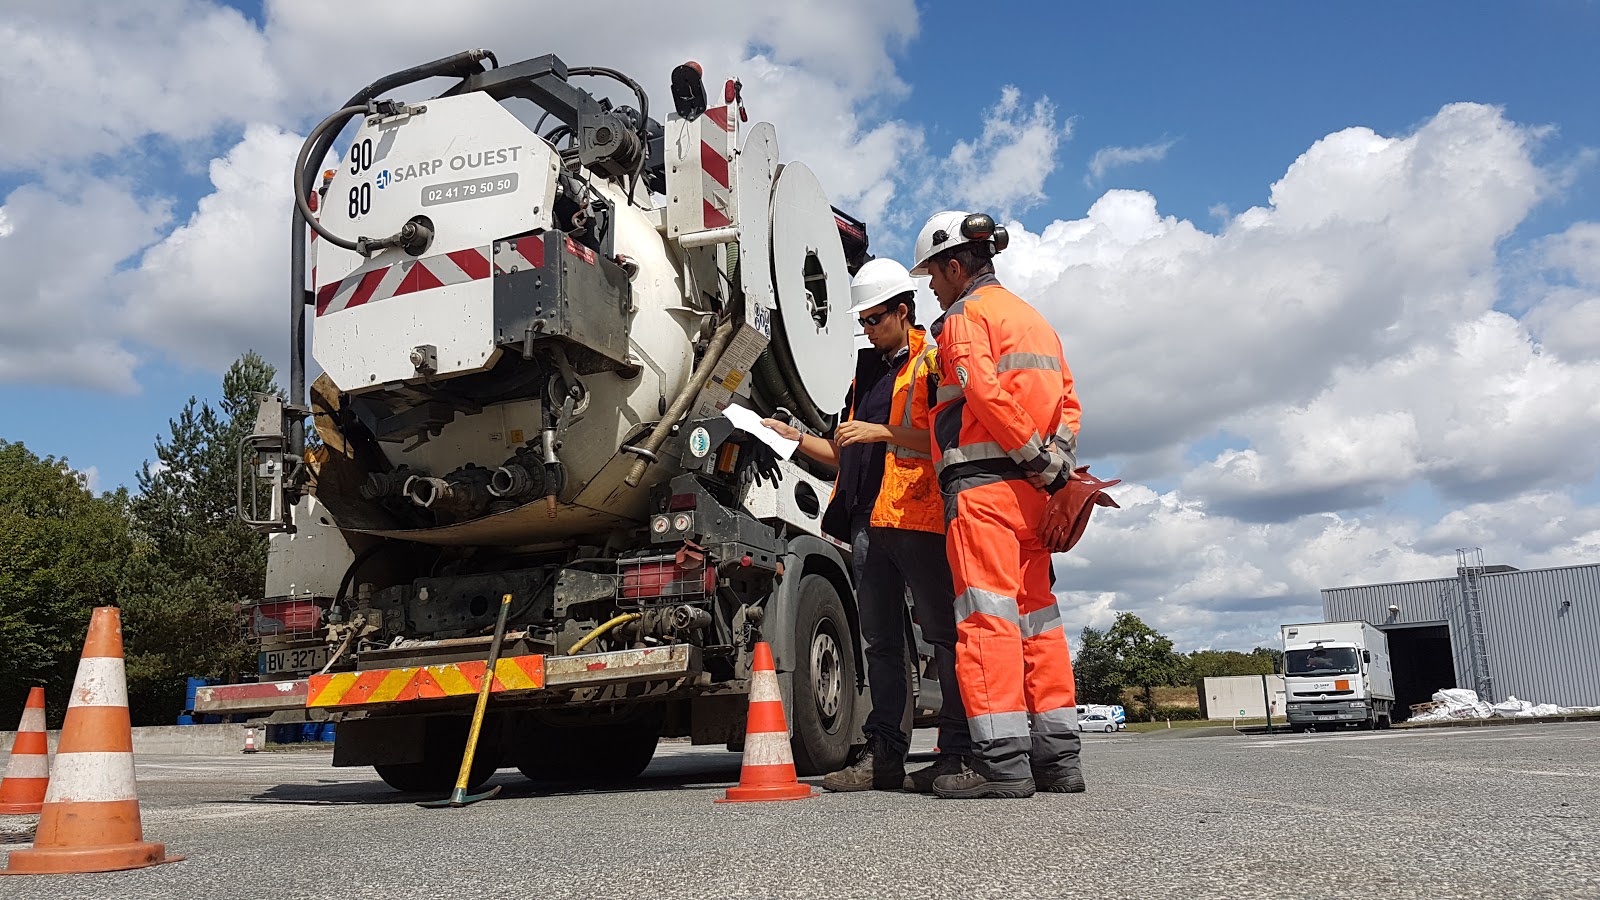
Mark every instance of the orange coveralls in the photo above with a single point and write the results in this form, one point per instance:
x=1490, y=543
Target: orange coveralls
x=1005, y=438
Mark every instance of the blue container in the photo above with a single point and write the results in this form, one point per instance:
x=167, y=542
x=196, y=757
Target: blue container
x=327, y=732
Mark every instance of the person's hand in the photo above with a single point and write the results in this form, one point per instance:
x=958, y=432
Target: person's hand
x=853, y=432
x=784, y=429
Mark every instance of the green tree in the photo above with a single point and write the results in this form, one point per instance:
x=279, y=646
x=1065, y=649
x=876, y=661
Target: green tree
x=1144, y=655
x=197, y=563
x=62, y=553
x=1205, y=664
x=1094, y=668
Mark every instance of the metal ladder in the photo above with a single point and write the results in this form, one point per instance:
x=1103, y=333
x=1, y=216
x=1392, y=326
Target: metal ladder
x=1470, y=570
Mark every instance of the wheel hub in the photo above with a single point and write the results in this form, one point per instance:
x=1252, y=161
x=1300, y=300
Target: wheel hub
x=826, y=676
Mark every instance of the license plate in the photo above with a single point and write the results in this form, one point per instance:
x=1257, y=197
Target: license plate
x=302, y=659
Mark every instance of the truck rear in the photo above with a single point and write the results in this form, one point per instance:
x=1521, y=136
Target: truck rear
x=1337, y=674
x=527, y=341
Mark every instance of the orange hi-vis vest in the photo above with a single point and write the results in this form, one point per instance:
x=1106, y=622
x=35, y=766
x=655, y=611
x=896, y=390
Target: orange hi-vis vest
x=1006, y=407
x=909, y=497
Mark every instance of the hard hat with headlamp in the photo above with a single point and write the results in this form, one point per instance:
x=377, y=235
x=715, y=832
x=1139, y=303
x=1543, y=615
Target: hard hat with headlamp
x=952, y=229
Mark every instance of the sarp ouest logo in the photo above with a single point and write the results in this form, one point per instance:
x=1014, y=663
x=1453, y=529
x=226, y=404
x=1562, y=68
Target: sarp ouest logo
x=382, y=180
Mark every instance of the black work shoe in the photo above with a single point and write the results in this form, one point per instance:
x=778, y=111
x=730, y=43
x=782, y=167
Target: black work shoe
x=873, y=770
x=921, y=781
x=969, y=785
x=1069, y=781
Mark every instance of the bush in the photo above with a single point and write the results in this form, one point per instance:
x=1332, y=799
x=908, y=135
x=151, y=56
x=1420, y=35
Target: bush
x=1162, y=712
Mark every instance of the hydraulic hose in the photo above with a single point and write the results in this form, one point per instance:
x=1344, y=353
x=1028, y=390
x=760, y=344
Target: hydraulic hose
x=600, y=630
x=336, y=123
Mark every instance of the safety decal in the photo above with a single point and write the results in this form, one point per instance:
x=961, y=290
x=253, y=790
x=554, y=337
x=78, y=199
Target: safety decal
x=411, y=276
x=961, y=376
x=516, y=673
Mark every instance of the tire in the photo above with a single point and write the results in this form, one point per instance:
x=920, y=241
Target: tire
x=824, y=679
x=443, y=743
x=590, y=753
x=1110, y=728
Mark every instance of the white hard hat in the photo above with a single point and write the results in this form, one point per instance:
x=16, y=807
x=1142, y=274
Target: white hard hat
x=953, y=228
x=879, y=281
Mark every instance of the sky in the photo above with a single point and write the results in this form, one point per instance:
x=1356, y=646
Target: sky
x=1328, y=276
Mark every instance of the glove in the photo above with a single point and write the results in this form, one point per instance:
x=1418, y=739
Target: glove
x=760, y=463
x=1067, y=514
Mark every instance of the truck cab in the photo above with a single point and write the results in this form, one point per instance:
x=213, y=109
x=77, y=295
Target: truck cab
x=1337, y=674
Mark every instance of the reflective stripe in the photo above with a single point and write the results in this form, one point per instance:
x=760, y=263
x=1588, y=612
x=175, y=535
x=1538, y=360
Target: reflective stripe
x=32, y=719
x=946, y=392
x=994, y=726
x=1040, y=620
x=764, y=687
x=1031, y=453
x=1011, y=362
x=908, y=453
x=28, y=765
x=1053, y=721
x=973, y=452
x=911, y=390
x=91, y=778
x=977, y=600
x=100, y=681
x=767, y=748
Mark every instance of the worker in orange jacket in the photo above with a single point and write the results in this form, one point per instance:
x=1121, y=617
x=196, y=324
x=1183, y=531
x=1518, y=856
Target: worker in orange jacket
x=1005, y=440
x=886, y=505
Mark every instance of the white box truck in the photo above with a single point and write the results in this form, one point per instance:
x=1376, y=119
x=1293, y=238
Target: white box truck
x=1337, y=673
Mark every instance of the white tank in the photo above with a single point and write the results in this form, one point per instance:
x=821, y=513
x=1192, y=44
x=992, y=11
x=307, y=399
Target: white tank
x=393, y=328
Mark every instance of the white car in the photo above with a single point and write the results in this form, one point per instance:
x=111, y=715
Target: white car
x=1098, y=722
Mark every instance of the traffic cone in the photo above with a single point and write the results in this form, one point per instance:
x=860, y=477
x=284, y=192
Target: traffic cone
x=249, y=741
x=768, y=768
x=27, y=776
x=90, y=821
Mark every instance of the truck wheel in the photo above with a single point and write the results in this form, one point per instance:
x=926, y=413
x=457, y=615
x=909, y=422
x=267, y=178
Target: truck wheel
x=444, y=741
x=824, y=679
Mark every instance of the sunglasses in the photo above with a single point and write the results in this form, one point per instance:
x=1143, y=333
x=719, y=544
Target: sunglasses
x=872, y=320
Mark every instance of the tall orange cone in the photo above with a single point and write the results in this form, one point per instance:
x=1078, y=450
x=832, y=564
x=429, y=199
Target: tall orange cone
x=27, y=776
x=768, y=769
x=90, y=821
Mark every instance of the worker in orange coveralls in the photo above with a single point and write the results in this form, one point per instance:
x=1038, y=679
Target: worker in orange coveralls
x=1005, y=440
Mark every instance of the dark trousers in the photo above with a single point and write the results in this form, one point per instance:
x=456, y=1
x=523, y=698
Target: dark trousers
x=887, y=561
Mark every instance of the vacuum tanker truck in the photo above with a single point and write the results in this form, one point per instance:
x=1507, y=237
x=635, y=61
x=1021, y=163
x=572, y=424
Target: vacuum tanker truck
x=530, y=305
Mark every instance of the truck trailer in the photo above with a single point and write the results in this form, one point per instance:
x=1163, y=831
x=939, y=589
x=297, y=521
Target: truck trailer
x=1337, y=674
x=531, y=306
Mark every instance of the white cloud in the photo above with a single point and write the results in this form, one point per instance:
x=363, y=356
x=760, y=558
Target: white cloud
x=91, y=478
x=218, y=284
x=62, y=243
x=100, y=76
x=1005, y=167
x=1107, y=158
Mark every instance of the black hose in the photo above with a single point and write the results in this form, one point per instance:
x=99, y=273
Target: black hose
x=336, y=123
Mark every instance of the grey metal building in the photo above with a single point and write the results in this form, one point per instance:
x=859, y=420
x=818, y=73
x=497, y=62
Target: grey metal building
x=1533, y=634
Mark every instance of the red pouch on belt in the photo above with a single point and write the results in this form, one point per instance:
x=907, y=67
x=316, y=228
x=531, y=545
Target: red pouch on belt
x=1067, y=514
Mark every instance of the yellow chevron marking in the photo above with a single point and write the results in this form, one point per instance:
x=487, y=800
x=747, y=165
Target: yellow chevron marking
x=511, y=676
x=335, y=689
x=451, y=680
x=393, y=684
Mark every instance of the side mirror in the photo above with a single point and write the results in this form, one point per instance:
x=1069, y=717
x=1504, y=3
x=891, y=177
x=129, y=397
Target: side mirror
x=1366, y=656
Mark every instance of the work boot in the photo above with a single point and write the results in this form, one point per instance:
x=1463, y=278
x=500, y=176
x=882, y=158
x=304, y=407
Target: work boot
x=873, y=770
x=921, y=781
x=970, y=785
x=1064, y=781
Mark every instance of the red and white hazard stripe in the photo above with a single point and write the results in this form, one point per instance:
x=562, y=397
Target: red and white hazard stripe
x=518, y=255
x=718, y=180
x=409, y=277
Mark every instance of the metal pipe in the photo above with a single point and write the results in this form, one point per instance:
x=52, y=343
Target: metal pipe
x=725, y=235
x=680, y=406
x=604, y=627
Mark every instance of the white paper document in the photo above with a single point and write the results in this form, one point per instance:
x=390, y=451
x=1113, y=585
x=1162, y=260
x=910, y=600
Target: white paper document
x=750, y=422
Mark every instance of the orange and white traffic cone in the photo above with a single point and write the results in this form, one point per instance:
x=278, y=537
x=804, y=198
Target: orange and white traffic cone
x=249, y=741
x=90, y=821
x=768, y=769
x=28, y=774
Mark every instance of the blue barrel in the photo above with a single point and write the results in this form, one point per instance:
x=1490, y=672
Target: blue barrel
x=327, y=732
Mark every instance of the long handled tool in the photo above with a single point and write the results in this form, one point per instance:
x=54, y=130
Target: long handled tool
x=459, y=797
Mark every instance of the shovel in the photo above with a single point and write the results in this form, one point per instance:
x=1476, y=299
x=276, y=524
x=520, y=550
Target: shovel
x=459, y=797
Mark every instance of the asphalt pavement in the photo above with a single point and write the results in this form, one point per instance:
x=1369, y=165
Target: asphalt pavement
x=1492, y=812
